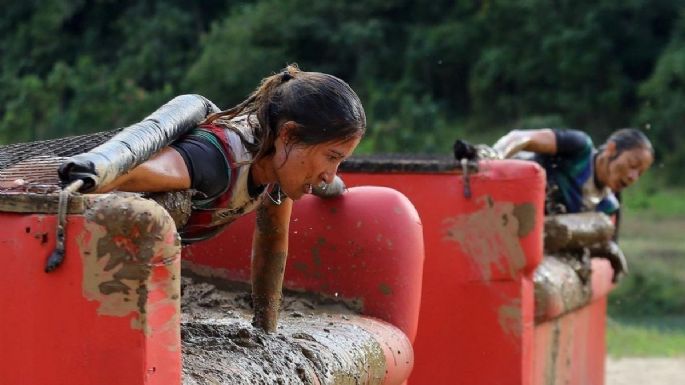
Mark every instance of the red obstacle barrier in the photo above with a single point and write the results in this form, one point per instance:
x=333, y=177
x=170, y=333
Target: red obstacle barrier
x=483, y=239
x=110, y=314
x=365, y=247
x=571, y=349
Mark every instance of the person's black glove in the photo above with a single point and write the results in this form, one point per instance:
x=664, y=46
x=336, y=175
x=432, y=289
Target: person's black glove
x=474, y=152
x=75, y=169
x=463, y=149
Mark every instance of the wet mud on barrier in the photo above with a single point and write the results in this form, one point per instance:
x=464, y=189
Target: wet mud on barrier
x=315, y=343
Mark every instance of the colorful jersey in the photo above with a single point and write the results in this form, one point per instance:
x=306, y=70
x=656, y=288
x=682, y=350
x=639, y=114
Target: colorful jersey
x=235, y=195
x=571, y=184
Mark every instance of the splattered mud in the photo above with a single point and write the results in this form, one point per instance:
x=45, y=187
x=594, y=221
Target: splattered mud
x=314, y=343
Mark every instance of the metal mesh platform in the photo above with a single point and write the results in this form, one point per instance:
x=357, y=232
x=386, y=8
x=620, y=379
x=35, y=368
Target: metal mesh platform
x=63, y=147
x=32, y=166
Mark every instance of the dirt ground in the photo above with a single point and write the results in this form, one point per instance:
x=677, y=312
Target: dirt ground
x=317, y=342
x=645, y=371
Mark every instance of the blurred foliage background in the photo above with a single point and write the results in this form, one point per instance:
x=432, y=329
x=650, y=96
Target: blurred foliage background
x=428, y=72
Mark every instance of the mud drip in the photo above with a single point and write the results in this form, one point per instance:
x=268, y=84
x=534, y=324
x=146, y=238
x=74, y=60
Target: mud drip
x=314, y=343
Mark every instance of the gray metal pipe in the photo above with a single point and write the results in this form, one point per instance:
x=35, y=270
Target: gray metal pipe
x=136, y=143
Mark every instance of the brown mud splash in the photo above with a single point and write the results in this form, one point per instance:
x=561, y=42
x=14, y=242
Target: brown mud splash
x=125, y=239
x=490, y=235
x=314, y=343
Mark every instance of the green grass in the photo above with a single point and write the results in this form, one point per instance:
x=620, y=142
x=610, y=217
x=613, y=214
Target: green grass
x=653, y=197
x=655, y=249
x=647, y=309
x=646, y=337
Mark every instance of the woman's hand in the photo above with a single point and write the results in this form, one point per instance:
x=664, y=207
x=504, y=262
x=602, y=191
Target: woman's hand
x=269, y=254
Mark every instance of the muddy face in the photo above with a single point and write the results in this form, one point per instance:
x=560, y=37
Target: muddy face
x=300, y=167
x=625, y=168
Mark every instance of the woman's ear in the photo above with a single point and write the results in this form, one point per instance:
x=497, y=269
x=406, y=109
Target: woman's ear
x=286, y=131
x=610, y=149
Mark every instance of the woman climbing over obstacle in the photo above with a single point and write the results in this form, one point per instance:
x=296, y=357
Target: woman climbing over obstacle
x=581, y=178
x=286, y=139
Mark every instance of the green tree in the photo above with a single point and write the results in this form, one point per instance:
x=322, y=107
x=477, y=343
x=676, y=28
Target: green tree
x=663, y=108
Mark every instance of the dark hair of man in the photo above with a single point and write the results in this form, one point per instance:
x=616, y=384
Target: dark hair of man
x=628, y=139
x=323, y=107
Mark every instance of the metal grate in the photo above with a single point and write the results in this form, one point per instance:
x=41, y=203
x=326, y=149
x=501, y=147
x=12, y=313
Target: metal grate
x=38, y=174
x=61, y=147
x=32, y=166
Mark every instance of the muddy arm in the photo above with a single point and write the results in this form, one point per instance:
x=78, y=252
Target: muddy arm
x=574, y=231
x=614, y=254
x=269, y=253
x=137, y=143
x=541, y=141
x=165, y=171
x=591, y=230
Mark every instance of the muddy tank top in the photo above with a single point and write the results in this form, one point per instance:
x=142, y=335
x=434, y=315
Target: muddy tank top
x=209, y=216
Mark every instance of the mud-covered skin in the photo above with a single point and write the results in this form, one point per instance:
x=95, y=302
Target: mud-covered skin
x=573, y=231
x=125, y=239
x=267, y=295
x=614, y=255
x=562, y=280
x=588, y=233
x=270, y=252
x=560, y=287
x=314, y=344
x=177, y=203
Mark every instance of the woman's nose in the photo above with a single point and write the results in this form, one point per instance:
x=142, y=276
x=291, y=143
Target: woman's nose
x=633, y=175
x=328, y=175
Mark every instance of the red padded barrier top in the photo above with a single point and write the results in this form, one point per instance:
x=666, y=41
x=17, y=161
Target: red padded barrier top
x=476, y=323
x=93, y=320
x=366, y=245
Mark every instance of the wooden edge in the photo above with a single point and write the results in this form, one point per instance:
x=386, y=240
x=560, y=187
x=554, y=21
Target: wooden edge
x=39, y=203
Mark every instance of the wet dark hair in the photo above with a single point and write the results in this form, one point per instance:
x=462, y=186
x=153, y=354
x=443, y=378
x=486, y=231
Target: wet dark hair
x=324, y=107
x=628, y=139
